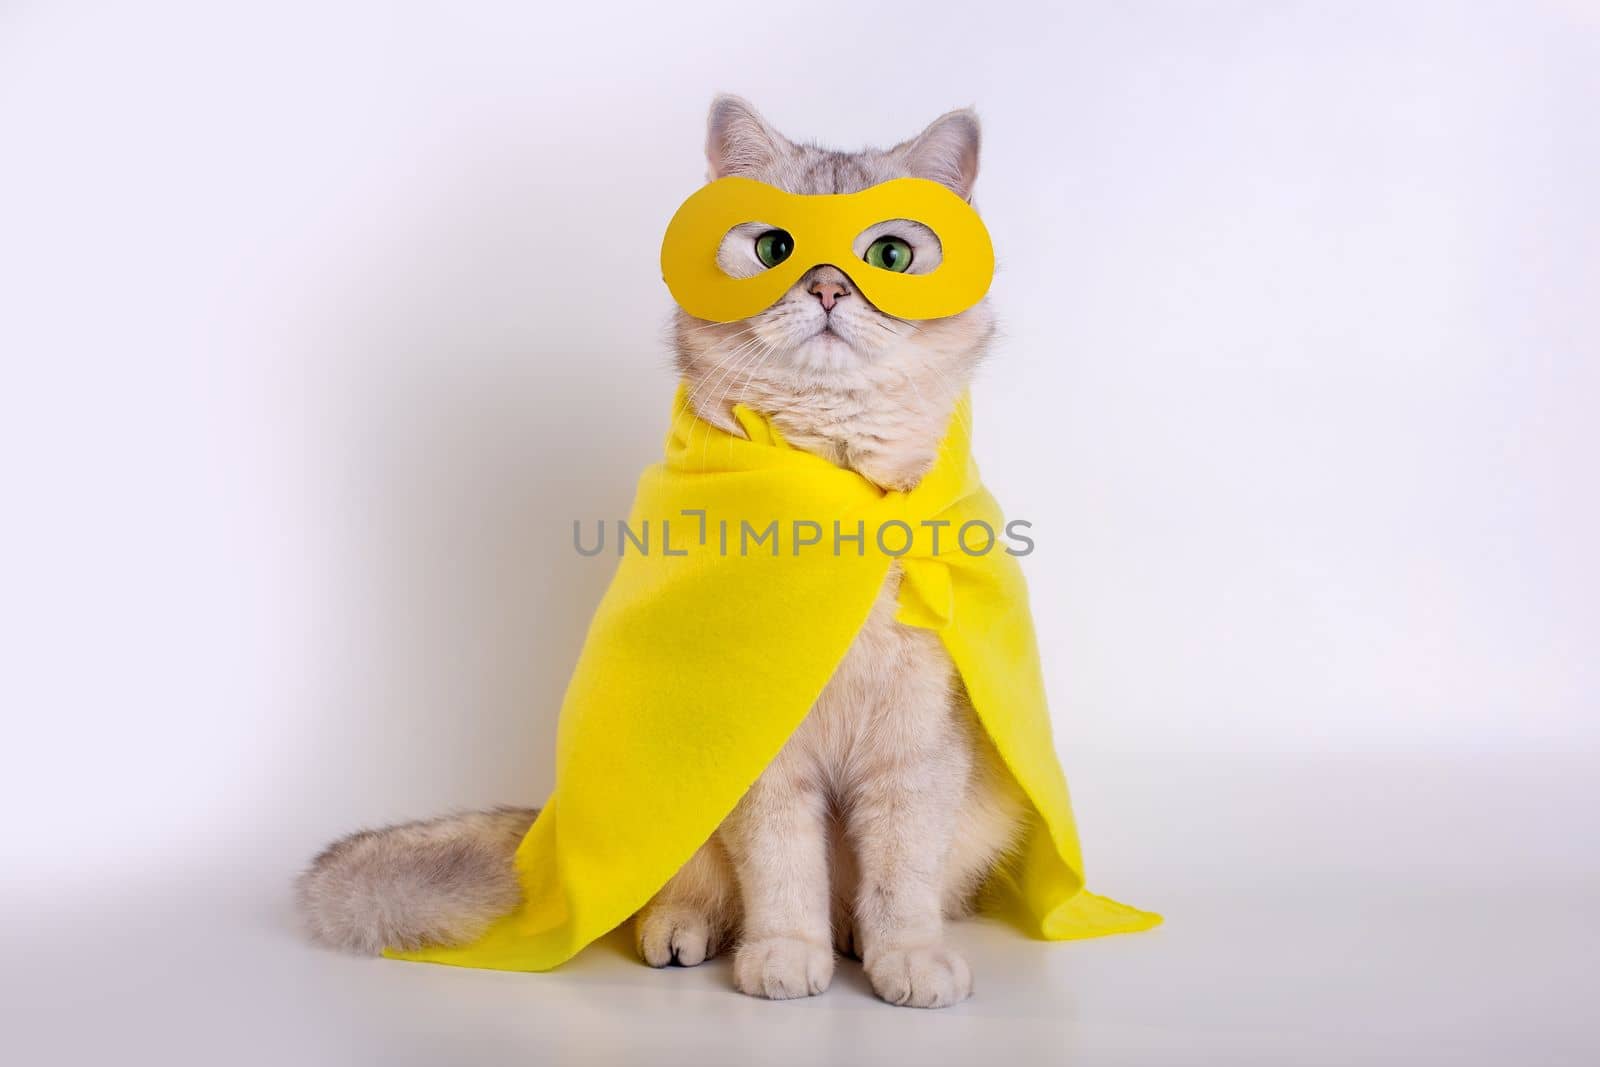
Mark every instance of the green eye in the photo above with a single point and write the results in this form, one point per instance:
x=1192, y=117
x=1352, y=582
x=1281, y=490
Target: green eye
x=773, y=247
x=889, y=253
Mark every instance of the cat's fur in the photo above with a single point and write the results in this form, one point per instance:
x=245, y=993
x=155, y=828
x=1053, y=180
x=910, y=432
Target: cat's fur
x=888, y=807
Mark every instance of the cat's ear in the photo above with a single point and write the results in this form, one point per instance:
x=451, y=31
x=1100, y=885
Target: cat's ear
x=946, y=152
x=739, y=140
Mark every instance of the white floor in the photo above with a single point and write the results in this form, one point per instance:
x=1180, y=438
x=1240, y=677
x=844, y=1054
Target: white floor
x=1479, y=946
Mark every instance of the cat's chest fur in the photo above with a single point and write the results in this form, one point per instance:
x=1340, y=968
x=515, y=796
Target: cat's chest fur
x=886, y=696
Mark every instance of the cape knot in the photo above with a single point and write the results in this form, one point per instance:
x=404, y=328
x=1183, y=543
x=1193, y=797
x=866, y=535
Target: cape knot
x=927, y=598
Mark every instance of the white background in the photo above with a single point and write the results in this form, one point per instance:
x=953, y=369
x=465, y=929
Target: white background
x=321, y=323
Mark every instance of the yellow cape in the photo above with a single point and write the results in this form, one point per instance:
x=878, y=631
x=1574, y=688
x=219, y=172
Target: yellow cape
x=698, y=666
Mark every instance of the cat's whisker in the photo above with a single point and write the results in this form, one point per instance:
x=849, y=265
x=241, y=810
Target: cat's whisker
x=749, y=351
x=758, y=352
x=750, y=367
x=712, y=383
x=706, y=326
x=708, y=387
x=727, y=358
x=751, y=328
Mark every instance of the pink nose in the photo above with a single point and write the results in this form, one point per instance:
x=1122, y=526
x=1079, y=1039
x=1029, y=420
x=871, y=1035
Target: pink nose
x=828, y=292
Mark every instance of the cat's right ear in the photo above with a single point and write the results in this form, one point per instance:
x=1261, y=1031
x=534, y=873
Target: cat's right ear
x=738, y=139
x=946, y=152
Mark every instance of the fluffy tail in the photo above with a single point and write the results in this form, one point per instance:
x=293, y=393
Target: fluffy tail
x=436, y=882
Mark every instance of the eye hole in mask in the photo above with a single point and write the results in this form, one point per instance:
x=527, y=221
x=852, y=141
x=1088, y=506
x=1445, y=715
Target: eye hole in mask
x=914, y=248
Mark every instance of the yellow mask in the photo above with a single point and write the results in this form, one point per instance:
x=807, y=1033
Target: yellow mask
x=823, y=229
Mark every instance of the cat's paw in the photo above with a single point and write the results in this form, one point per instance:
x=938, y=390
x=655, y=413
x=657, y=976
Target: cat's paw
x=782, y=968
x=932, y=977
x=674, y=935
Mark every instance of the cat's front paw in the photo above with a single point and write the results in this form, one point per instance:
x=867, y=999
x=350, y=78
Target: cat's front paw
x=932, y=977
x=666, y=935
x=782, y=968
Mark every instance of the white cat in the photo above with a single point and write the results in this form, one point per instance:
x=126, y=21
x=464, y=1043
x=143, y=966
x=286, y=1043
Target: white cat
x=887, y=808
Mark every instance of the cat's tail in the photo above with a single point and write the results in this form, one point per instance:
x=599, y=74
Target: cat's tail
x=436, y=882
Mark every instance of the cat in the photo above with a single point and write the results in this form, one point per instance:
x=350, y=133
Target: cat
x=888, y=808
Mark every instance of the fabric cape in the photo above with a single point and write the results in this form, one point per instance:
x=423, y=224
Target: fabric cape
x=698, y=666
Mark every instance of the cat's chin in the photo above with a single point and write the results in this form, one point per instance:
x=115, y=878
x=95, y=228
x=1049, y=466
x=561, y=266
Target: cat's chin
x=826, y=350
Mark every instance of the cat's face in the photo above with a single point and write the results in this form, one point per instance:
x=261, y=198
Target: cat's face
x=823, y=333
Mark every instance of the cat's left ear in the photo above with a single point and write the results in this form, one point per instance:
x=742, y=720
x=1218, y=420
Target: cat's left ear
x=739, y=141
x=946, y=152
